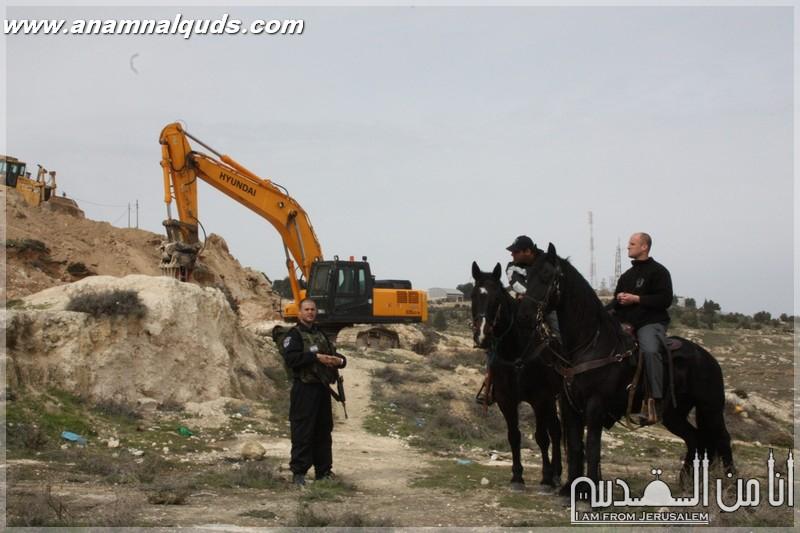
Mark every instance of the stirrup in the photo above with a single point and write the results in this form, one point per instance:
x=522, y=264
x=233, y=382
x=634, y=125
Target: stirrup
x=485, y=398
x=651, y=417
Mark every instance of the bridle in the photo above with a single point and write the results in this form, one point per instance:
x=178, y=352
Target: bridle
x=480, y=317
x=542, y=306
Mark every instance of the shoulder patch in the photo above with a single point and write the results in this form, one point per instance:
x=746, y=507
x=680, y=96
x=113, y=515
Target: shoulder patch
x=287, y=341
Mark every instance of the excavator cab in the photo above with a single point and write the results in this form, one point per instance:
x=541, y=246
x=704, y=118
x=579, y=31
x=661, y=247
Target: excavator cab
x=342, y=289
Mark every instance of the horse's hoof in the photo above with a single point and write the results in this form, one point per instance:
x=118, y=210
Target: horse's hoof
x=517, y=486
x=545, y=488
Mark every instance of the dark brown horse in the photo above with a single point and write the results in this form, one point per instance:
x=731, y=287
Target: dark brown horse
x=518, y=374
x=597, y=368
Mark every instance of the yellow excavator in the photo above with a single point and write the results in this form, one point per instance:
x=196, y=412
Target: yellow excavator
x=346, y=292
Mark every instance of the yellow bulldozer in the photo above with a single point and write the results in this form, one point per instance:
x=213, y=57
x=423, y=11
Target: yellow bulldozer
x=14, y=174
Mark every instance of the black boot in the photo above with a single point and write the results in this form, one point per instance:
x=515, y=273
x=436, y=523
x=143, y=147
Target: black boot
x=299, y=480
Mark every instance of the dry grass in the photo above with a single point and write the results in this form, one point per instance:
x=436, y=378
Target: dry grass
x=169, y=491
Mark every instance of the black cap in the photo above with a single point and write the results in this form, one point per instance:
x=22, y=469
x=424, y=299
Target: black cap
x=523, y=242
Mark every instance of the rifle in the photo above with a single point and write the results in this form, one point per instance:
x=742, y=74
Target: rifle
x=340, y=396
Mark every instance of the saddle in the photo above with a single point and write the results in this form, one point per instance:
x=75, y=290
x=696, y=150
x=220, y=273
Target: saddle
x=673, y=344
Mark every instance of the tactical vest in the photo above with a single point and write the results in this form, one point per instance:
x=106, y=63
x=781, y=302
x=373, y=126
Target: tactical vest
x=316, y=341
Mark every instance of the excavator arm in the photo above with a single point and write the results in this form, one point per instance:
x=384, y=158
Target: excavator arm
x=182, y=167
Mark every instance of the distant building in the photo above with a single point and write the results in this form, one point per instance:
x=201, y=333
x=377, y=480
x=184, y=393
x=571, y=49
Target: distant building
x=439, y=295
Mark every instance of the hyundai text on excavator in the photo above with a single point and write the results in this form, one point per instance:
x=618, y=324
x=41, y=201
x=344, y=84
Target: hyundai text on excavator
x=346, y=292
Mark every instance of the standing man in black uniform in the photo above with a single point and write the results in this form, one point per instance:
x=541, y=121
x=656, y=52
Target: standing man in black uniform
x=314, y=363
x=642, y=296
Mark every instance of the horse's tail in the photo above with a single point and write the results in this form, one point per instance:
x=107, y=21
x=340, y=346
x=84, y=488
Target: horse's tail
x=710, y=405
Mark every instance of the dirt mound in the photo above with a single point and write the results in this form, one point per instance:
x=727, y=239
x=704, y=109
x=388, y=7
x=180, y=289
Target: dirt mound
x=184, y=344
x=47, y=247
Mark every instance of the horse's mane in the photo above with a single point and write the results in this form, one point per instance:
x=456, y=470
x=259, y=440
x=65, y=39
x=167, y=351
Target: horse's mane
x=585, y=306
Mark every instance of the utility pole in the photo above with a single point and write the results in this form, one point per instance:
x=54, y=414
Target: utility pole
x=137, y=214
x=617, y=264
x=593, y=266
x=129, y=214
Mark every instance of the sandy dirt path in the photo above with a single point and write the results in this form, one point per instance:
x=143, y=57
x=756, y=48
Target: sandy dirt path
x=373, y=463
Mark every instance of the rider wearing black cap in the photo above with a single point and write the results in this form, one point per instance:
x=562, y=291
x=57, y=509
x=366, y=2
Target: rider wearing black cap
x=523, y=253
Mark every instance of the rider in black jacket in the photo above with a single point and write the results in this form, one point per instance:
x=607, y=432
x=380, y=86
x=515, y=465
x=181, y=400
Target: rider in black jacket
x=642, y=296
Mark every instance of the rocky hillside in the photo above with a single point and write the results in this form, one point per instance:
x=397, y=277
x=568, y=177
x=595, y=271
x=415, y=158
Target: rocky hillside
x=46, y=247
x=135, y=340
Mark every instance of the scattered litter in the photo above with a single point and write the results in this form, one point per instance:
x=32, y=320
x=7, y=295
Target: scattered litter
x=236, y=415
x=484, y=481
x=135, y=452
x=64, y=446
x=184, y=431
x=113, y=443
x=73, y=437
x=420, y=422
x=463, y=461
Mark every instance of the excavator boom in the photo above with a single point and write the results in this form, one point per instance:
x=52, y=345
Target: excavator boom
x=182, y=167
x=345, y=291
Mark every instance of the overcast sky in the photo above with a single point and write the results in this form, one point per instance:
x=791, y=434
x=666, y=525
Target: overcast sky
x=429, y=137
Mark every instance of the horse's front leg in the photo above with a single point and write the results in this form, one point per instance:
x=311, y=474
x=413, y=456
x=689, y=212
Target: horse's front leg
x=573, y=424
x=511, y=414
x=545, y=411
x=594, y=432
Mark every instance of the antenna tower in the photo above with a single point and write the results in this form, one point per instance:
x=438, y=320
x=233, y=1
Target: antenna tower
x=593, y=267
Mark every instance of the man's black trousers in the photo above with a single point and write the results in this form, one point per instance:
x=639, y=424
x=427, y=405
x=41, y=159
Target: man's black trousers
x=311, y=422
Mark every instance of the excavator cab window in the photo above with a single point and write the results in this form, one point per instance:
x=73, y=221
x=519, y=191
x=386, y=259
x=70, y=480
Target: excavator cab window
x=319, y=281
x=351, y=297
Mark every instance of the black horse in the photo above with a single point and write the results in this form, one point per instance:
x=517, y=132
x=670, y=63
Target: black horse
x=518, y=374
x=598, y=365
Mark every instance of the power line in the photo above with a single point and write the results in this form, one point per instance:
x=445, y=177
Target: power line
x=95, y=203
x=121, y=216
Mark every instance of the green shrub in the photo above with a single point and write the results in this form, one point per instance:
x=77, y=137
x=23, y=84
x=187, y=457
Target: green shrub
x=117, y=409
x=108, y=303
